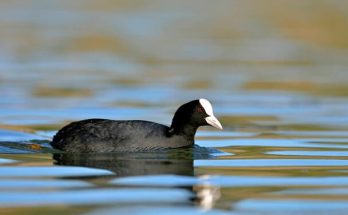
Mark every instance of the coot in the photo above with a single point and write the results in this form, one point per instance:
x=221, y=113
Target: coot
x=104, y=135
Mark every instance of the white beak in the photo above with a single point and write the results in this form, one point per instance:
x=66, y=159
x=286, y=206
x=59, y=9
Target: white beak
x=211, y=120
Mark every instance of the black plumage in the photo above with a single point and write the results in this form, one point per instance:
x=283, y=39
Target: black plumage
x=104, y=135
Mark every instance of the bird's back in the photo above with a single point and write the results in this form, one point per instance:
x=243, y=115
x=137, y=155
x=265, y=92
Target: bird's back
x=102, y=135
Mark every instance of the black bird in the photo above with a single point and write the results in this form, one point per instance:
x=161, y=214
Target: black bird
x=104, y=135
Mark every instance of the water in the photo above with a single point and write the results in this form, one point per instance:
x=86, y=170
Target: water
x=276, y=74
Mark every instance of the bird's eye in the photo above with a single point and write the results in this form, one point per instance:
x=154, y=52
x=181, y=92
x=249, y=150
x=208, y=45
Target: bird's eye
x=200, y=110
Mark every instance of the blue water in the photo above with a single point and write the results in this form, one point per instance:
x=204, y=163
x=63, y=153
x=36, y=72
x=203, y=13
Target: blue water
x=276, y=74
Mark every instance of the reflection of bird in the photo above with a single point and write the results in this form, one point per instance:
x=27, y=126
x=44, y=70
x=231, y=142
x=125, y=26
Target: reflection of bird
x=102, y=135
x=127, y=164
x=171, y=161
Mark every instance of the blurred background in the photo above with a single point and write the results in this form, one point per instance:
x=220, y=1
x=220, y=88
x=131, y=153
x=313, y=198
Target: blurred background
x=66, y=60
x=276, y=72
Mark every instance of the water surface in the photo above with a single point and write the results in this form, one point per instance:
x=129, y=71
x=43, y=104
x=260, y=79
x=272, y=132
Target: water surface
x=276, y=73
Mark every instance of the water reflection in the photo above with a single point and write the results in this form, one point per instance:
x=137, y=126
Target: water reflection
x=169, y=168
x=162, y=162
x=130, y=164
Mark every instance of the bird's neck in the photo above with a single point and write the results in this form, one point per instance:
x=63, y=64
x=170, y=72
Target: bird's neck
x=188, y=131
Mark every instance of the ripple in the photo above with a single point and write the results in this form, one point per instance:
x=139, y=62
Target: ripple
x=320, y=191
x=310, y=153
x=51, y=171
x=276, y=206
x=14, y=184
x=305, y=143
x=5, y=161
x=256, y=181
x=7, y=135
x=163, y=210
x=157, y=180
x=270, y=163
x=314, y=133
x=94, y=196
x=225, y=134
x=229, y=181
